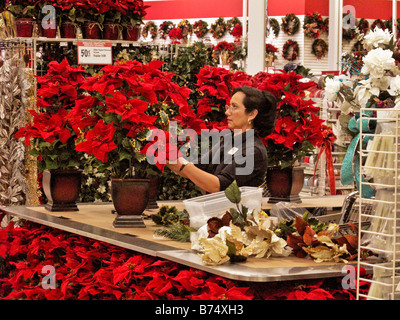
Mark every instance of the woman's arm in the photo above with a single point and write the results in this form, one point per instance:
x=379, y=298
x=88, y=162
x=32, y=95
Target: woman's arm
x=201, y=178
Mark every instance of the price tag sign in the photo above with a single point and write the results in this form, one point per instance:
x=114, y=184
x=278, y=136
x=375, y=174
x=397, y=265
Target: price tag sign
x=94, y=53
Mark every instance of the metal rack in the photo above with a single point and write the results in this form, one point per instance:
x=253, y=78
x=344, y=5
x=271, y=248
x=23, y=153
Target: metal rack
x=382, y=166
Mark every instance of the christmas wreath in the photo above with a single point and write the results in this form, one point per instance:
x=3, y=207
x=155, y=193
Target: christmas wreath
x=186, y=27
x=149, y=27
x=165, y=28
x=378, y=23
x=218, y=28
x=232, y=23
x=290, y=44
x=319, y=48
x=225, y=51
x=200, y=28
x=350, y=33
x=363, y=25
x=313, y=25
x=290, y=24
x=175, y=34
x=274, y=24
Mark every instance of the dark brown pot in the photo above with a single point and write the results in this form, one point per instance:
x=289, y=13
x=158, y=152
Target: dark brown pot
x=285, y=184
x=130, y=198
x=62, y=188
x=153, y=193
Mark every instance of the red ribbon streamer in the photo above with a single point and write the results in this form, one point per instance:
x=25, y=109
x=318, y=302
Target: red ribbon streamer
x=327, y=148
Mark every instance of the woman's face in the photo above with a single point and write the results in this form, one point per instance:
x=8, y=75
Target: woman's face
x=236, y=113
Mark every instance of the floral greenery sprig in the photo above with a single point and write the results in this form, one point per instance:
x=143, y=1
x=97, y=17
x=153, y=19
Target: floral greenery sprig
x=219, y=28
x=378, y=23
x=186, y=27
x=319, y=48
x=165, y=28
x=313, y=25
x=274, y=24
x=290, y=44
x=290, y=24
x=150, y=27
x=363, y=25
x=232, y=23
x=200, y=28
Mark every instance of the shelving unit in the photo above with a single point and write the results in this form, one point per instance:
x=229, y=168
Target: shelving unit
x=383, y=237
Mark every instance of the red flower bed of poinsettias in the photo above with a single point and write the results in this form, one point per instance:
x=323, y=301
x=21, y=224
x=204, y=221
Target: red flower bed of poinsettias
x=90, y=269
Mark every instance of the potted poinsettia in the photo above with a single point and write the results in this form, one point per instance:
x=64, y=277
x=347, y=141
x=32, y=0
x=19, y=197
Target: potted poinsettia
x=50, y=135
x=26, y=12
x=298, y=131
x=121, y=121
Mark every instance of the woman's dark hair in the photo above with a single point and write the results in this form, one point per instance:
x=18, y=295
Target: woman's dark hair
x=265, y=103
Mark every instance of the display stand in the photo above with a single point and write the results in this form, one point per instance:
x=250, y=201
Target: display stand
x=382, y=164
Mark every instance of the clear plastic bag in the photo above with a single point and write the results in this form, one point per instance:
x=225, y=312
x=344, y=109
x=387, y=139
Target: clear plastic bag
x=286, y=211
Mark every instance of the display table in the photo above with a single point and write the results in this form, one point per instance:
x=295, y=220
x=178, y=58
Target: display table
x=95, y=221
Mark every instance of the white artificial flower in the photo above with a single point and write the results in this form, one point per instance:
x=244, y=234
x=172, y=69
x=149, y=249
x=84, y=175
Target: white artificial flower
x=381, y=83
x=332, y=87
x=89, y=181
x=364, y=91
x=394, y=86
x=377, y=38
x=377, y=61
x=101, y=189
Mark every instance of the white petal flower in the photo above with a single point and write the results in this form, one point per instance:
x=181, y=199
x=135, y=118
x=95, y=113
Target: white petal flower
x=377, y=38
x=332, y=87
x=394, y=86
x=377, y=61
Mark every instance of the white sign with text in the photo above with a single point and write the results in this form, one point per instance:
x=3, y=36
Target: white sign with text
x=94, y=53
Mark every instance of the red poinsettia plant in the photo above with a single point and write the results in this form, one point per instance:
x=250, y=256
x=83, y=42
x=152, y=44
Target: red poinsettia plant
x=298, y=128
x=126, y=111
x=50, y=133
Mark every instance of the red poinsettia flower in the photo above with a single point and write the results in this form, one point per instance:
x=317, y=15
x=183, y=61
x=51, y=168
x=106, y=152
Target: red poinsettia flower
x=99, y=141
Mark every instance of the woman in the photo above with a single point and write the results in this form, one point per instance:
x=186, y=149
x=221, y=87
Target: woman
x=250, y=109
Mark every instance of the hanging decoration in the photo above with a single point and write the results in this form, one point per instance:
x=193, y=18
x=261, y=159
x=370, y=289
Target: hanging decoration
x=186, y=27
x=176, y=35
x=200, y=28
x=290, y=24
x=165, y=28
x=378, y=23
x=313, y=25
x=218, y=28
x=224, y=52
x=150, y=27
x=274, y=25
x=363, y=25
x=232, y=23
x=319, y=48
x=290, y=45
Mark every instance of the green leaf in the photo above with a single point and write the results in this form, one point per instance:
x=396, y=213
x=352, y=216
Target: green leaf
x=231, y=248
x=51, y=164
x=233, y=193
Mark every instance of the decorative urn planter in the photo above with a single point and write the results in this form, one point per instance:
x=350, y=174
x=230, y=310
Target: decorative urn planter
x=130, y=198
x=132, y=32
x=68, y=30
x=92, y=30
x=110, y=31
x=285, y=184
x=62, y=188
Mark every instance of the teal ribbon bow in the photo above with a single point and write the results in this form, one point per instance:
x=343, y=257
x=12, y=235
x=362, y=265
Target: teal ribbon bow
x=348, y=172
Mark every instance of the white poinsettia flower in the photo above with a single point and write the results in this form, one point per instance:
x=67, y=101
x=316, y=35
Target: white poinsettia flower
x=394, y=86
x=364, y=91
x=332, y=88
x=215, y=251
x=377, y=62
x=377, y=38
x=381, y=83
